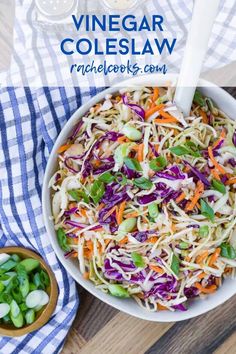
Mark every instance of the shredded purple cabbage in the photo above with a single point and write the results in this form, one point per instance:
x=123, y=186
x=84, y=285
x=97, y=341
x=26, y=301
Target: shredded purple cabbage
x=198, y=174
x=136, y=108
x=234, y=138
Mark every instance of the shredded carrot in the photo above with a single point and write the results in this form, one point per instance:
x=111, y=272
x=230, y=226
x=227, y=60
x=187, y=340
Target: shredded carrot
x=196, y=196
x=111, y=211
x=222, y=136
x=134, y=214
x=96, y=163
x=180, y=197
x=153, y=110
x=89, y=245
x=201, y=275
x=86, y=275
x=214, y=257
x=210, y=289
x=120, y=212
x=217, y=281
x=215, y=163
x=152, y=239
x=124, y=240
x=63, y=148
x=122, y=139
x=231, y=181
x=83, y=212
x=156, y=269
x=202, y=257
x=167, y=116
x=204, y=116
x=101, y=206
x=155, y=94
x=161, y=307
x=88, y=254
x=75, y=254
x=215, y=174
x=165, y=120
x=140, y=152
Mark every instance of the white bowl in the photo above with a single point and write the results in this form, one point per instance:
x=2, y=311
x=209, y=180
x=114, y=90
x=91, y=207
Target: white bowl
x=228, y=104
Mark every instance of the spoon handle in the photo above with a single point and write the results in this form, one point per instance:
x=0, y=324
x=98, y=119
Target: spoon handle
x=204, y=14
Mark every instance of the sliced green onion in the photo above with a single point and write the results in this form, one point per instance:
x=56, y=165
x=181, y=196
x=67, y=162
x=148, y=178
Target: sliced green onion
x=143, y=183
x=4, y=258
x=15, y=257
x=34, y=298
x=97, y=191
x=121, y=178
x=30, y=264
x=121, y=152
x=158, y=164
x=62, y=240
x=132, y=164
x=138, y=260
x=153, y=210
x=181, y=150
x=106, y=177
x=15, y=310
x=132, y=133
x=2, y=287
x=78, y=195
x=126, y=226
x=118, y=291
x=17, y=296
x=23, y=307
x=175, y=264
x=203, y=231
x=207, y=211
x=5, y=267
x=212, y=107
x=218, y=186
x=227, y=251
x=23, y=280
x=18, y=321
x=4, y=310
x=44, y=278
x=32, y=287
x=183, y=245
x=37, y=282
x=30, y=316
x=198, y=99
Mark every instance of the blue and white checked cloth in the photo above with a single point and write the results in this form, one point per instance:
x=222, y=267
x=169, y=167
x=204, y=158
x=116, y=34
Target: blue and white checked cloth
x=29, y=124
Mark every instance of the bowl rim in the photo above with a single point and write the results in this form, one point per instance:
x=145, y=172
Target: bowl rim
x=108, y=299
x=53, y=296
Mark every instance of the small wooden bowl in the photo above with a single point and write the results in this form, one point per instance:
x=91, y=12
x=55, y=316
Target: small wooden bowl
x=52, y=290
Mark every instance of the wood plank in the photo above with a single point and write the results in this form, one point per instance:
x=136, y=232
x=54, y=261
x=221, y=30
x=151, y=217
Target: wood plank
x=125, y=334
x=228, y=347
x=92, y=315
x=200, y=335
x=74, y=342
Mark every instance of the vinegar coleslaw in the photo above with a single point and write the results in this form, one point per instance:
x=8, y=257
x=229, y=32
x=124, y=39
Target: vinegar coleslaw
x=145, y=198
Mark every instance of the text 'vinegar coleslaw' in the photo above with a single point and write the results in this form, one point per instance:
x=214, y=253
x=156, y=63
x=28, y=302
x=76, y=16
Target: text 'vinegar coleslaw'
x=145, y=198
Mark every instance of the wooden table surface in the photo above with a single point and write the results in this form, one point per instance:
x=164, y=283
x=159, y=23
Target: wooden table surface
x=100, y=329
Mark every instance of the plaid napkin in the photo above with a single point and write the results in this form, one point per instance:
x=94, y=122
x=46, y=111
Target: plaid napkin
x=29, y=124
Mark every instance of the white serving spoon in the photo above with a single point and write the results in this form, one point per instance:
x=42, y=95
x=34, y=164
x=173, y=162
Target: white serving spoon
x=204, y=14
